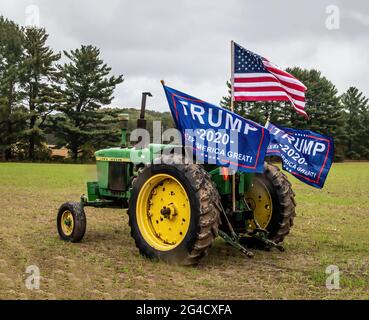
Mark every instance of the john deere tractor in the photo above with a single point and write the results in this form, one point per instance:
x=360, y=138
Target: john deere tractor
x=177, y=208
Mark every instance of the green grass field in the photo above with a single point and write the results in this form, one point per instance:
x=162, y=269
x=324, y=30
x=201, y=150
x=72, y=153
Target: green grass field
x=331, y=228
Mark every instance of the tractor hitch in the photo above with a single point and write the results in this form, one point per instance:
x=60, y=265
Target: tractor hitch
x=262, y=236
x=234, y=242
x=260, y=233
x=232, y=238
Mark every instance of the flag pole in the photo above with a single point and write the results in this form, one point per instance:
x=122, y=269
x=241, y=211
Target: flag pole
x=232, y=109
x=267, y=122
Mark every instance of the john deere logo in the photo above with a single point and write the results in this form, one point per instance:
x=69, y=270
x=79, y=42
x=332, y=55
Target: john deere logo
x=112, y=159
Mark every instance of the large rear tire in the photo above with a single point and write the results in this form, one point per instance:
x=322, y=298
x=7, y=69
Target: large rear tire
x=174, y=211
x=273, y=202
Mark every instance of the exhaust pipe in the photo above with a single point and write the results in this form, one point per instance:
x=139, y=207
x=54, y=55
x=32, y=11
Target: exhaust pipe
x=141, y=122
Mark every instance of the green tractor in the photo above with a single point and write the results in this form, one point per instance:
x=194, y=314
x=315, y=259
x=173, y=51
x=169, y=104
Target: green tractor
x=177, y=208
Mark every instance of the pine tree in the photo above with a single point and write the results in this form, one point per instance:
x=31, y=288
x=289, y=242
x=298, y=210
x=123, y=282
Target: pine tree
x=12, y=115
x=365, y=140
x=355, y=105
x=39, y=86
x=86, y=87
x=323, y=106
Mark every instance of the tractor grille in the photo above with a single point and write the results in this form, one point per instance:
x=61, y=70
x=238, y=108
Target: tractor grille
x=119, y=175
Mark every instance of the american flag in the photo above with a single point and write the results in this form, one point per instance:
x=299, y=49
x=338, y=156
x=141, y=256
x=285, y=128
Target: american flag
x=257, y=79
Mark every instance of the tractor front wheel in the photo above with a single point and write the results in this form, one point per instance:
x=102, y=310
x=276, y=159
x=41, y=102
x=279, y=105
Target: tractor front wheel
x=71, y=222
x=174, y=211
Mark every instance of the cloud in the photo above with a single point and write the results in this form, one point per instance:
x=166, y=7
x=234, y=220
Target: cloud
x=187, y=42
x=362, y=18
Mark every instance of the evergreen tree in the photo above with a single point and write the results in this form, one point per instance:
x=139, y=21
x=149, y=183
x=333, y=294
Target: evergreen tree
x=323, y=106
x=12, y=115
x=355, y=105
x=38, y=82
x=86, y=87
x=365, y=140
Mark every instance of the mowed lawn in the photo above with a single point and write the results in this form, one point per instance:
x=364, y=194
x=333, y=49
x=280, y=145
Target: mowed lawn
x=331, y=228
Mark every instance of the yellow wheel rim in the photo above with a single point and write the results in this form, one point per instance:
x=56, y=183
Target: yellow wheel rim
x=163, y=212
x=67, y=223
x=260, y=201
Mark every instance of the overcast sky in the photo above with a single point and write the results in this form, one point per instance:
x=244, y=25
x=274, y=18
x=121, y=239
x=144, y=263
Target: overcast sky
x=187, y=43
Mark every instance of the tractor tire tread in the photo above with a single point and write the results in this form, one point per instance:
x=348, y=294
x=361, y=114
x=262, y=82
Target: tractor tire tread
x=286, y=199
x=209, y=200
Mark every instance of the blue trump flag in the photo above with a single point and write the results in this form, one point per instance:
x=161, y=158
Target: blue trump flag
x=305, y=154
x=216, y=135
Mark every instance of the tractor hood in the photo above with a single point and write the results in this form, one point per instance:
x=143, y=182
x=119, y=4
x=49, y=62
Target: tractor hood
x=145, y=155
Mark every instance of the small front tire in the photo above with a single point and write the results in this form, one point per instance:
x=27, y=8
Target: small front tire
x=71, y=222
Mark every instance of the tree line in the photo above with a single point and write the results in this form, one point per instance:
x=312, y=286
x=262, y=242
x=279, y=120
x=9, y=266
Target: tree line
x=45, y=101
x=343, y=117
x=39, y=96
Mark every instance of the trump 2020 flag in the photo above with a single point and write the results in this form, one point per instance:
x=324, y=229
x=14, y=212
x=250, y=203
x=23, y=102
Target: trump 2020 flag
x=216, y=135
x=305, y=154
x=255, y=78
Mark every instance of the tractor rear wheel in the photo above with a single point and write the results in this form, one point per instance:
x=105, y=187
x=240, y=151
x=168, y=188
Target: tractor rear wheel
x=272, y=200
x=174, y=211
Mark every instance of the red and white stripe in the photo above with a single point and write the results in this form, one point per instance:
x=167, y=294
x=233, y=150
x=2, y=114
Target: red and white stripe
x=277, y=85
